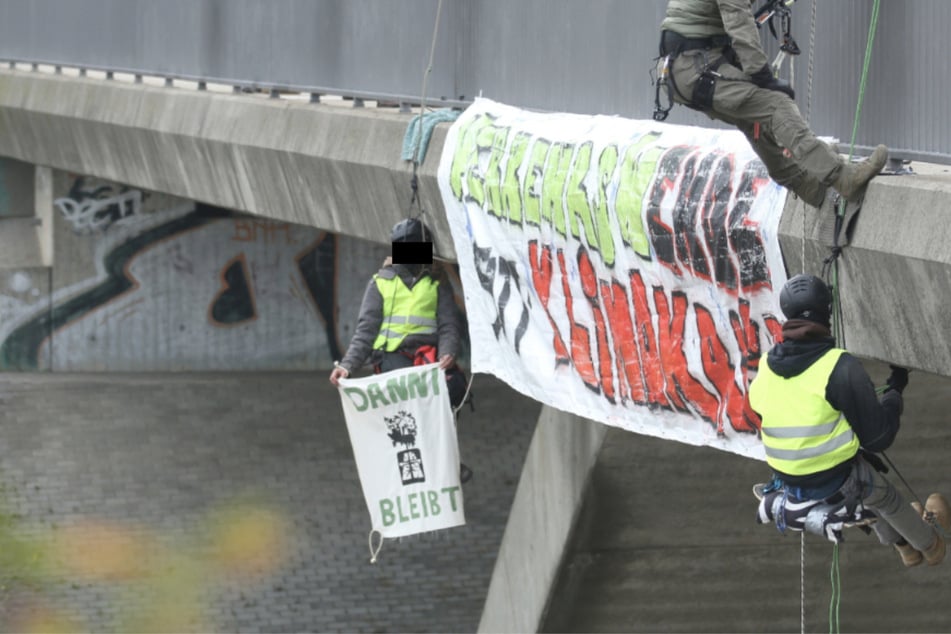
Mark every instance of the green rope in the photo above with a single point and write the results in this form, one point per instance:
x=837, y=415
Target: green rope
x=836, y=591
x=838, y=329
x=873, y=25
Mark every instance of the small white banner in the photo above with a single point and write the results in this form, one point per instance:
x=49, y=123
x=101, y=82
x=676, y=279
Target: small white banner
x=404, y=441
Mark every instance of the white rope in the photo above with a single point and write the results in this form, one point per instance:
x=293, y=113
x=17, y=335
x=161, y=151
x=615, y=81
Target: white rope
x=802, y=582
x=374, y=551
x=812, y=50
x=809, y=74
x=422, y=97
x=464, y=396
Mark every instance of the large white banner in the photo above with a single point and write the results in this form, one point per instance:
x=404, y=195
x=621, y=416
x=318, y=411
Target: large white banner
x=404, y=440
x=625, y=271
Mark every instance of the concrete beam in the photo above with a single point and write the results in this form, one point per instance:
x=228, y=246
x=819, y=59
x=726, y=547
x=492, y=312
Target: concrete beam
x=295, y=161
x=895, y=272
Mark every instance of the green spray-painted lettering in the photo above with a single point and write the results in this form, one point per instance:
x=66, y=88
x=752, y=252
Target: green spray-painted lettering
x=413, y=506
x=375, y=393
x=466, y=159
x=533, y=184
x=637, y=171
x=396, y=388
x=404, y=388
x=493, y=173
x=597, y=230
x=553, y=187
x=357, y=397
x=417, y=384
x=511, y=189
x=607, y=163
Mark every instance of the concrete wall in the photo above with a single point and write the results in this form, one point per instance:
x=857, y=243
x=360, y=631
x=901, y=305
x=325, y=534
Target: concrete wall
x=16, y=189
x=563, y=452
x=146, y=281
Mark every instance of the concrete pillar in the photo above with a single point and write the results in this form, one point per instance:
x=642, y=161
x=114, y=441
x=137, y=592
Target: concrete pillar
x=550, y=492
x=43, y=210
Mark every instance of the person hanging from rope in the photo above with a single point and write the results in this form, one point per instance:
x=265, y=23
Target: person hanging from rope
x=822, y=423
x=408, y=316
x=711, y=60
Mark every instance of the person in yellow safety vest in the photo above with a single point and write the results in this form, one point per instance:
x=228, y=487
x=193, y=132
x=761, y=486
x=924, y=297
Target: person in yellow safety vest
x=711, y=60
x=820, y=414
x=408, y=311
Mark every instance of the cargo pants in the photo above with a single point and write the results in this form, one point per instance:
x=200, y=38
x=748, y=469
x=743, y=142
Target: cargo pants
x=794, y=157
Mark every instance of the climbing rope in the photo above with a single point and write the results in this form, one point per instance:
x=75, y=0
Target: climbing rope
x=811, y=62
x=422, y=96
x=836, y=591
x=414, y=179
x=456, y=409
x=831, y=264
x=802, y=582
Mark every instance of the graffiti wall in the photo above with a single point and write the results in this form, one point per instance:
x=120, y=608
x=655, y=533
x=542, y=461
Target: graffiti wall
x=145, y=281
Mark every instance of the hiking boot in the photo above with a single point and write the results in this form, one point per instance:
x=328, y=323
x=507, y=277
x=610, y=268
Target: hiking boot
x=934, y=555
x=909, y=556
x=854, y=177
x=937, y=504
x=937, y=507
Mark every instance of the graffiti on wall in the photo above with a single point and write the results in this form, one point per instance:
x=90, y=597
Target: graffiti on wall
x=90, y=207
x=185, y=286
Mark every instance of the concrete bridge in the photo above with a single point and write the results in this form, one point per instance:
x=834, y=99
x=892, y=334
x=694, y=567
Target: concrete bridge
x=608, y=531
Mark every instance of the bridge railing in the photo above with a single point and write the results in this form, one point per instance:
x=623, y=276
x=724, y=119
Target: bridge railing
x=558, y=55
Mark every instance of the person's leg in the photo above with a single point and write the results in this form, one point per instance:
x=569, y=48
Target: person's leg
x=780, y=125
x=781, y=167
x=898, y=519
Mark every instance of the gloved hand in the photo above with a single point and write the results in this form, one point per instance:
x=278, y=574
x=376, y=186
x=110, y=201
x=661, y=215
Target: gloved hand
x=897, y=380
x=764, y=78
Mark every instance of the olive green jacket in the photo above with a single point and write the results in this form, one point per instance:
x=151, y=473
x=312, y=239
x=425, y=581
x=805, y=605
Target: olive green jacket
x=706, y=18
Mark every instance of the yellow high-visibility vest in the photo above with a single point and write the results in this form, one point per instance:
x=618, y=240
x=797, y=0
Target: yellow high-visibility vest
x=405, y=311
x=802, y=433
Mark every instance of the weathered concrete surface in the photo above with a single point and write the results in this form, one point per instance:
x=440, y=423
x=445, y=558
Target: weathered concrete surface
x=554, y=480
x=140, y=469
x=311, y=164
x=895, y=273
x=668, y=543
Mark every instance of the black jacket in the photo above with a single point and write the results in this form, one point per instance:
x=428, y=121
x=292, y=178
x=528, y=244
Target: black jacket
x=850, y=390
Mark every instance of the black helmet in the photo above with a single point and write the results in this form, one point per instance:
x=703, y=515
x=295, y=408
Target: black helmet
x=410, y=230
x=806, y=297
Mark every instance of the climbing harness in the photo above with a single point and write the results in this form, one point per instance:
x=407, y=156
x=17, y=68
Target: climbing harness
x=787, y=44
x=672, y=45
x=778, y=8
